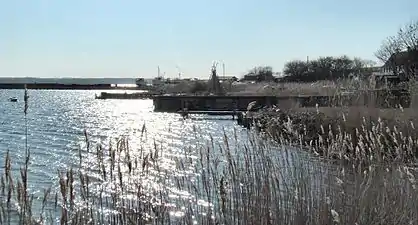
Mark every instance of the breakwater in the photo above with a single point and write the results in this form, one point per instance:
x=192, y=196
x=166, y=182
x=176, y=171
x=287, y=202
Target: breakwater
x=56, y=86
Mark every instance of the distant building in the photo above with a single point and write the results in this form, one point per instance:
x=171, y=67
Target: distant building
x=367, y=71
x=397, y=70
x=140, y=82
x=403, y=63
x=259, y=77
x=227, y=78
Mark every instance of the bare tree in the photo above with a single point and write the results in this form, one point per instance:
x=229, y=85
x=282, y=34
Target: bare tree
x=389, y=47
x=398, y=52
x=406, y=38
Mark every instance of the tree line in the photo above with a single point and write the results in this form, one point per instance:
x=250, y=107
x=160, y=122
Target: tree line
x=336, y=67
x=324, y=68
x=259, y=73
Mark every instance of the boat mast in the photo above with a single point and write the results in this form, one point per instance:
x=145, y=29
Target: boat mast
x=179, y=72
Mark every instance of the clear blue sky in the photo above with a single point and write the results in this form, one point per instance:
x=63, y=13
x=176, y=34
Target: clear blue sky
x=104, y=38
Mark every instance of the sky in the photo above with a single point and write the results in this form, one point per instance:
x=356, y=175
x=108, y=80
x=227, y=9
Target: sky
x=131, y=38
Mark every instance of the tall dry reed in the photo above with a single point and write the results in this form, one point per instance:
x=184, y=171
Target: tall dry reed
x=256, y=182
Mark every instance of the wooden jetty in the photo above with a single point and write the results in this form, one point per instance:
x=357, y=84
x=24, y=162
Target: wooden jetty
x=211, y=112
x=173, y=103
x=232, y=113
x=375, y=98
x=136, y=95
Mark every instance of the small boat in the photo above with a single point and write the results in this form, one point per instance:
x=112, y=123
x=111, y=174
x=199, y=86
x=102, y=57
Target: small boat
x=12, y=99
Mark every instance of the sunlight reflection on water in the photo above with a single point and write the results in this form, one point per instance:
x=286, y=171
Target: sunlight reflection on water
x=56, y=124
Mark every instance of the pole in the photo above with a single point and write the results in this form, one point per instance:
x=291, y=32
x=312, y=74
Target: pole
x=178, y=70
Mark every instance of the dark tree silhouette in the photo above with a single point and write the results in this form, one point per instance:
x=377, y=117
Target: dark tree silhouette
x=324, y=68
x=296, y=69
x=259, y=74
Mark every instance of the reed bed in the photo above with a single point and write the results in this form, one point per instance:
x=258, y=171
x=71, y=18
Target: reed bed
x=319, y=88
x=356, y=135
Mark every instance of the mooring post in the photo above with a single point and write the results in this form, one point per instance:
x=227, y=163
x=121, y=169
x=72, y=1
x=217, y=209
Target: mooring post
x=234, y=109
x=185, y=113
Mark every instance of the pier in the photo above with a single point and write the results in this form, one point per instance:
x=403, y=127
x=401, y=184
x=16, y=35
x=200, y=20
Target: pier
x=380, y=99
x=211, y=113
x=234, y=113
x=173, y=103
x=136, y=95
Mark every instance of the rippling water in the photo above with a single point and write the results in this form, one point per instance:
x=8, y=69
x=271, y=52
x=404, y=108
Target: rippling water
x=56, y=122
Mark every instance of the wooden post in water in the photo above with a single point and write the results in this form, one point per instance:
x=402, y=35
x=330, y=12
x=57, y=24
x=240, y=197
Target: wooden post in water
x=234, y=108
x=184, y=110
